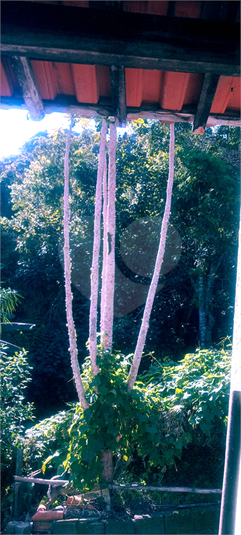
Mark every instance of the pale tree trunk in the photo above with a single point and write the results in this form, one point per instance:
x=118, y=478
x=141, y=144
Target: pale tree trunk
x=96, y=254
x=105, y=248
x=67, y=276
x=107, y=331
x=108, y=276
x=209, y=328
x=201, y=311
x=106, y=476
x=107, y=462
x=159, y=260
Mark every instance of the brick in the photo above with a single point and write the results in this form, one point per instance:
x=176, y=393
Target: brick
x=43, y=516
x=10, y=528
x=207, y=520
x=88, y=527
x=119, y=526
x=152, y=525
x=23, y=527
x=42, y=525
x=179, y=522
x=65, y=527
x=19, y=528
x=189, y=521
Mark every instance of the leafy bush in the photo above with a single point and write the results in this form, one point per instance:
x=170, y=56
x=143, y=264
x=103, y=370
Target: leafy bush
x=146, y=430
x=9, y=300
x=198, y=385
x=47, y=442
x=14, y=411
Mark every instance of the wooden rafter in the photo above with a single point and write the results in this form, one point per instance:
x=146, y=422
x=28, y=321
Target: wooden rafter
x=68, y=34
x=118, y=90
x=26, y=79
x=205, y=102
x=70, y=106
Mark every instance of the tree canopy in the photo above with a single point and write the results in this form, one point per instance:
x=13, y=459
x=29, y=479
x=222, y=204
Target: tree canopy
x=53, y=204
x=203, y=243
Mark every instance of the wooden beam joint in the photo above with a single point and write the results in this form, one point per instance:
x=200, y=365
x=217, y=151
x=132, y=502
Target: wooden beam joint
x=205, y=102
x=118, y=89
x=26, y=79
x=70, y=106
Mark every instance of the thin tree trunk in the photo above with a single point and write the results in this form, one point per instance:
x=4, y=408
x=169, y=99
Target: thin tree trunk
x=209, y=328
x=159, y=260
x=67, y=276
x=96, y=254
x=105, y=248
x=107, y=462
x=210, y=321
x=201, y=311
x=107, y=332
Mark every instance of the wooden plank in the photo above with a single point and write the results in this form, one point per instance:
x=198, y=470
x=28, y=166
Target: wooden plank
x=208, y=91
x=166, y=489
x=26, y=79
x=41, y=481
x=135, y=40
x=69, y=105
x=118, y=91
x=18, y=491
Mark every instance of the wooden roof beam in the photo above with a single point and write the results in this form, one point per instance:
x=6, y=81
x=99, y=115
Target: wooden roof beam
x=55, y=32
x=26, y=79
x=118, y=91
x=69, y=105
x=205, y=102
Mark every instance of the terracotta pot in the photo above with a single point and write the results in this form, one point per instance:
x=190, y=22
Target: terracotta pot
x=74, y=500
x=42, y=527
x=43, y=516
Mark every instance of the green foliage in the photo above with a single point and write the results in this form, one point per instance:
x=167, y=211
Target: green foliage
x=123, y=423
x=34, y=229
x=9, y=300
x=198, y=385
x=204, y=213
x=48, y=441
x=146, y=429
x=15, y=412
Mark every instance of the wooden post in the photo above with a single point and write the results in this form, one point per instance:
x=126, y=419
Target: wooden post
x=229, y=515
x=18, y=485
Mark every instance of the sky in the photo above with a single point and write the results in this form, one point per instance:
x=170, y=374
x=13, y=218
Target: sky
x=16, y=128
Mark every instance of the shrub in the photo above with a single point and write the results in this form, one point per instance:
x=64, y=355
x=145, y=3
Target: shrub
x=14, y=412
x=198, y=385
x=147, y=429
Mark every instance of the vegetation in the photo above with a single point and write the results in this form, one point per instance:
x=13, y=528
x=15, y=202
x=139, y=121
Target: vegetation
x=15, y=375
x=176, y=405
x=172, y=406
x=15, y=411
x=33, y=225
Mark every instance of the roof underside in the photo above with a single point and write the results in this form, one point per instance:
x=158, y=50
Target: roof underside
x=175, y=61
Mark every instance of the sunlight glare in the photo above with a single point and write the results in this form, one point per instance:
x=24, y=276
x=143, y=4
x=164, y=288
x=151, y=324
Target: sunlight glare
x=17, y=128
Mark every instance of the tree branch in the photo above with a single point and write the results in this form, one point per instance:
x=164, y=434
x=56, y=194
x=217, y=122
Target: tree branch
x=94, y=279
x=159, y=260
x=110, y=264
x=105, y=248
x=67, y=277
